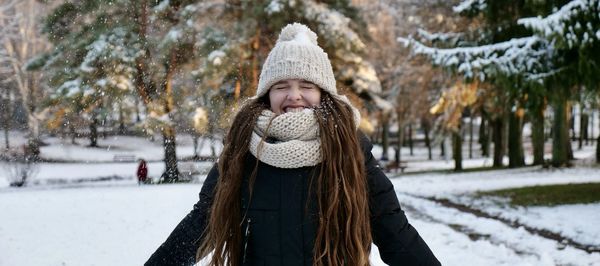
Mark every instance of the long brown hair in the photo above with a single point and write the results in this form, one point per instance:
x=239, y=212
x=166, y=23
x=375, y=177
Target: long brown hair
x=344, y=231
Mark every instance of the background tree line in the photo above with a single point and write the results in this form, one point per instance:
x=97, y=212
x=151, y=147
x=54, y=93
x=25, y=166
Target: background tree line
x=88, y=68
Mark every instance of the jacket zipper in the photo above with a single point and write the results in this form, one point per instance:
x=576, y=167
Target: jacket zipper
x=246, y=236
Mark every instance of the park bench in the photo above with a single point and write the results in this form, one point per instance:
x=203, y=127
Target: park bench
x=394, y=166
x=124, y=158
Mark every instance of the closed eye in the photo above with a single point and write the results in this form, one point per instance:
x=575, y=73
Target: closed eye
x=308, y=86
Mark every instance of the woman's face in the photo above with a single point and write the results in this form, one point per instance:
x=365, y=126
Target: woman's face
x=293, y=95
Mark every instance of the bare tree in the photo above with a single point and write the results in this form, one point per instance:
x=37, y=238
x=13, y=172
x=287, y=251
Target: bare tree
x=410, y=83
x=20, y=41
x=19, y=168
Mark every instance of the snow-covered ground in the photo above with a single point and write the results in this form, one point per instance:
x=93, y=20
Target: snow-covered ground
x=572, y=221
x=76, y=214
x=62, y=149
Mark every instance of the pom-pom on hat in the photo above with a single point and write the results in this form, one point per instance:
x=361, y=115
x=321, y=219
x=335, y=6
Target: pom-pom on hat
x=297, y=55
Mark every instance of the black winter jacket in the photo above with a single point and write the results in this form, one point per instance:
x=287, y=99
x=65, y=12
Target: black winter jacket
x=281, y=231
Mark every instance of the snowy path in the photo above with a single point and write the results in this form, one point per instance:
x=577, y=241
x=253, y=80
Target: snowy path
x=457, y=236
x=488, y=241
x=545, y=233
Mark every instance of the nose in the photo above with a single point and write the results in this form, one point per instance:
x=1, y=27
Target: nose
x=294, y=93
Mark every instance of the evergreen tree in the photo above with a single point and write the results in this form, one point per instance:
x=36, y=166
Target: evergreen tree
x=148, y=45
x=574, y=30
x=243, y=32
x=515, y=58
x=125, y=45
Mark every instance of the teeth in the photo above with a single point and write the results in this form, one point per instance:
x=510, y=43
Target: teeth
x=296, y=109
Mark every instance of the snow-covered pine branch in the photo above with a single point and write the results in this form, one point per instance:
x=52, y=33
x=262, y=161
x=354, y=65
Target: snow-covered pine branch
x=71, y=88
x=470, y=6
x=572, y=23
x=334, y=25
x=513, y=57
x=439, y=37
x=275, y=6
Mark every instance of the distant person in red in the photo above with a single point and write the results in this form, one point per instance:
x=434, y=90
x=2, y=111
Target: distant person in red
x=142, y=172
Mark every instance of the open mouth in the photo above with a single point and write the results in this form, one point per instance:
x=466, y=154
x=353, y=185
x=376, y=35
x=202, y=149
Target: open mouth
x=294, y=109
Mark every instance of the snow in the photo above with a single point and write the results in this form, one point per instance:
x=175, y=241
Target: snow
x=90, y=211
x=469, y=4
x=173, y=35
x=113, y=225
x=494, y=242
x=517, y=55
x=446, y=185
x=215, y=57
x=71, y=87
x=273, y=7
x=556, y=23
x=349, y=47
x=162, y=7
x=569, y=220
x=61, y=149
x=438, y=36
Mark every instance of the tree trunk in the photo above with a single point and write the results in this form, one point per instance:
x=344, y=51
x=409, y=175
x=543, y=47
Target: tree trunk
x=537, y=135
x=570, y=145
x=516, y=156
x=427, y=141
x=6, y=111
x=33, y=139
x=121, y=118
x=471, y=136
x=410, y=139
x=583, y=126
x=73, y=133
x=171, y=173
x=398, y=153
x=457, y=149
x=385, y=138
x=94, y=131
x=195, y=140
x=484, y=137
x=255, y=64
x=498, y=125
x=571, y=119
x=443, y=148
x=598, y=150
x=137, y=110
x=560, y=130
x=592, y=126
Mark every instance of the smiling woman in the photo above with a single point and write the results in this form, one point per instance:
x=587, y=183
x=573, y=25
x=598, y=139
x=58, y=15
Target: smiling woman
x=293, y=95
x=296, y=183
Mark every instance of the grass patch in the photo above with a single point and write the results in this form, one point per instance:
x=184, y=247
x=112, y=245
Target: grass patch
x=446, y=171
x=549, y=195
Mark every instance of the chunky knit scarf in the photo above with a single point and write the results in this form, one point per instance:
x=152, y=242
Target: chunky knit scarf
x=290, y=141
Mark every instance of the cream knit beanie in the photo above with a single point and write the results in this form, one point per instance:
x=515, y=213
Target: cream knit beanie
x=297, y=55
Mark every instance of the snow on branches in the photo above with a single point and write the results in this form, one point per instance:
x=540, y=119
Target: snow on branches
x=348, y=48
x=518, y=55
x=113, y=57
x=574, y=24
x=442, y=37
x=470, y=5
x=334, y=25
